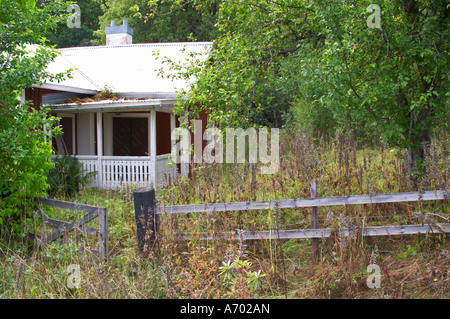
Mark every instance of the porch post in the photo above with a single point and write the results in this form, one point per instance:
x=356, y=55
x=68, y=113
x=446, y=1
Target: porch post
x=153, y=145
x=173, y=123
x=100, y=148
x=91, y=134
x=185, y=151
x=173, y=126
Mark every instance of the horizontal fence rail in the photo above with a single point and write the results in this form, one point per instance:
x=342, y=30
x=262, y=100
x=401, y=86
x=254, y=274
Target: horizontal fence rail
x=305, y=202
x=318, y=233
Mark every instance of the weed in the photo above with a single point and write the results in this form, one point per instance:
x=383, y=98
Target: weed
x=411, y=266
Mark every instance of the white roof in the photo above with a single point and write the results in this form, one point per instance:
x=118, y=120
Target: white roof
x=164, y=105
x=125, y=69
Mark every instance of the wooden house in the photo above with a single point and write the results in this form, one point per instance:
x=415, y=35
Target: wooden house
x=125, y=137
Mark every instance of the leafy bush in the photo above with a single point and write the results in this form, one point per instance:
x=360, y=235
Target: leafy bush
x=67, y=177
x=24, y=146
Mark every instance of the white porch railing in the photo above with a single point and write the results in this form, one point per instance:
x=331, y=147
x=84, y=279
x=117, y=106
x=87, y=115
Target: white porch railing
x=117, y=171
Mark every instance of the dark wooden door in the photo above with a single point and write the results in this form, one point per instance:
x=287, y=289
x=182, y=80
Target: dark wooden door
x=130, y=136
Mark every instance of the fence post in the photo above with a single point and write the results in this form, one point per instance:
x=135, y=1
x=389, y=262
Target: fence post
x=314, y=223
x=103, y=232
x=145, y=213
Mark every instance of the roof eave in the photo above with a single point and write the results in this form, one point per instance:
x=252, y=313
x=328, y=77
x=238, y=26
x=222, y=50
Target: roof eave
x=111, y=107
x=65, y=88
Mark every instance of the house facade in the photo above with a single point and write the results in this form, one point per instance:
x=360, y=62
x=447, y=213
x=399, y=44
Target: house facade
x=124, y=137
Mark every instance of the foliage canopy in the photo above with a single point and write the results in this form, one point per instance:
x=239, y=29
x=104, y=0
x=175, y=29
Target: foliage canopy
x=24, y=145
x=322, y=59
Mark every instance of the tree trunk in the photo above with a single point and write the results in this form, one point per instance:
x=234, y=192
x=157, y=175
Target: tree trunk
x=417, y=150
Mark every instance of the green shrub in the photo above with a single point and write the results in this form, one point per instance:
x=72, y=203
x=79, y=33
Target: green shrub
x=67, y=177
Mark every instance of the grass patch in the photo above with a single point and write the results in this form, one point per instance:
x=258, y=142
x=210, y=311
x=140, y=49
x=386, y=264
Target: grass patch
x=414, y=266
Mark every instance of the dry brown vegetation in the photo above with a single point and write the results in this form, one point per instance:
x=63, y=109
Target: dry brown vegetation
x=103, y=96
x=414, y=266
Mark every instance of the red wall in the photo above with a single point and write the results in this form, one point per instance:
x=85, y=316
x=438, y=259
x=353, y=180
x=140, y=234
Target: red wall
x=163, y=133
x=35, y=95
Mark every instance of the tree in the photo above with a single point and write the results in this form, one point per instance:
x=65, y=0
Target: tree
x=237, y=83
x=25, y=148
x=163, y=21
x=395, y=77
x=64, y=36
x=392, y=79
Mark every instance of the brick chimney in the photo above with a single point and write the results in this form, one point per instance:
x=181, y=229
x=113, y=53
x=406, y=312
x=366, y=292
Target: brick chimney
x=119, y=35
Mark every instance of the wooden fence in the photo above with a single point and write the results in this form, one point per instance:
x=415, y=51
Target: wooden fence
x=147, y=211
x=61, y=228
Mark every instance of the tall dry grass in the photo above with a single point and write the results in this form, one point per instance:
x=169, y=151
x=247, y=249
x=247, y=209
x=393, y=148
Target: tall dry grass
x=340, y=167
x=411, y=266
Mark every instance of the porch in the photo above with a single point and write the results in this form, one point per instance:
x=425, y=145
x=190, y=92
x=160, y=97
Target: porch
x=121, y=142
x=116, y=171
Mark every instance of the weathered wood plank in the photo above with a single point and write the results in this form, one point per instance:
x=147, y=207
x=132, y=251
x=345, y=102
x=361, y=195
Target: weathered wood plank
x=66, y=205
x=314, y=233
x=304, y=202
x=326, y=232
x=287, y=234
x=61, y=224
x=103, y=233
x=65, y=225
x=203, y=236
